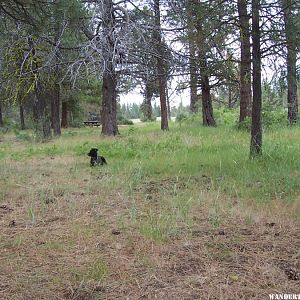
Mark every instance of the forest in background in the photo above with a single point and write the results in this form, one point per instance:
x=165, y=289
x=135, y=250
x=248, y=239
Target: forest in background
x=61, y=58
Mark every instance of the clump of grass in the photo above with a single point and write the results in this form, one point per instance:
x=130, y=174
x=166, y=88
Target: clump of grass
x=49, y=195
x=136, y=174
x=183, y=206
x=32, y=215
x=158, y=226
x=97, y=270
x=214, y=218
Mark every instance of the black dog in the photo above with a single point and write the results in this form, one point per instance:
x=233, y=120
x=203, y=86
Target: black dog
x=95, y=159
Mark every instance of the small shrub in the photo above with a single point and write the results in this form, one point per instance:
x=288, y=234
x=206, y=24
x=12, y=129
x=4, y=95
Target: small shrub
x=181, y=117
x=244, y=125
x=3, y=130
x=24, y=136
x=124, y=121
x=226, y=116
x=144, y=119
x=271, y=118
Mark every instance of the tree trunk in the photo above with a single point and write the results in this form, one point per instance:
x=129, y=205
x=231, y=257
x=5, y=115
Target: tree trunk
x=55, y=110
x=109, y=99
x=108, y=112
x=291, y=62
x=41, y=118
x=201, y=43
x=55, y=93
x=207, y=109
x=22, y=119
x=1, y=115
x=162, y=80
x=40, y=115
x=71, y=117
x=147, y=109
x=256, y=127
x=245, y=65
x=64, y=115
x=230, y=102
x=1, y=71
x=192, y=56
x=193, y=78
x=163, y=103
x=168, y=104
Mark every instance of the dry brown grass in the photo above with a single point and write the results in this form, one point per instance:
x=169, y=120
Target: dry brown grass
x=67, y=232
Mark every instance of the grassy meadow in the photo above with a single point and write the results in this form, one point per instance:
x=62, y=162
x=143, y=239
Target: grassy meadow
x=183, y=214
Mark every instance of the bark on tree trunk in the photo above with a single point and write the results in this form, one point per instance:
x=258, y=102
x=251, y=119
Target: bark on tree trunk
x=40, y=115
x=55, y=97
x=147, y=109
x=163, y=103
x=230, y=104
x=168, y=104
x=193, y=78
x=207, y=109
x=291, y=62
x=109, y=99
x=162, y=80
x=108, y=112
x=55, y=110
x=256, y=128
x=1, y=115
x=64, y=115
x=192, y=57
x=245, y=65
x=22, y=119
x=41, y=118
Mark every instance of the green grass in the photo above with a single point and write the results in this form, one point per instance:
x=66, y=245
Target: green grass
x=221, y=154
x=158, y=227
x=165, y=201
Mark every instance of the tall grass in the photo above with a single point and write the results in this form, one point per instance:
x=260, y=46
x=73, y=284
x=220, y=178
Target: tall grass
x=219, y=154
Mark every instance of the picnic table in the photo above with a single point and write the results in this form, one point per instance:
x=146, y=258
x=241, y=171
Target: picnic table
x=92, y=123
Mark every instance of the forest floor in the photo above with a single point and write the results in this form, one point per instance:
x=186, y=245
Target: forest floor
x=178, y=215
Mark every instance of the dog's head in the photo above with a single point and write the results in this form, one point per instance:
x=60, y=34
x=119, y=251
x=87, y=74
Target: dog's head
x=93, y=152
